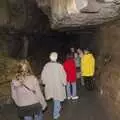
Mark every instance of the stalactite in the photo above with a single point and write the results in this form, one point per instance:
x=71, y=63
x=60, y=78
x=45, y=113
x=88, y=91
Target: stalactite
x=71, y=7
x=58, y=8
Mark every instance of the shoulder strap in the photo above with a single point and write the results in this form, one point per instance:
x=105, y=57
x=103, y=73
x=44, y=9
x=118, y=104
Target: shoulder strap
x=33, y=91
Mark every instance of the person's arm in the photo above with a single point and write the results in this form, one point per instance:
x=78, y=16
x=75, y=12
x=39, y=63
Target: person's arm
x=81, y=65
x=14, y=85
x=93, y=65
x=63, y=75
x=13, y=92
x=39, y=95
x=43, y=74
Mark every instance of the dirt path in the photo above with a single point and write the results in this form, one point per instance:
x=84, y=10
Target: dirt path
x=88, y=107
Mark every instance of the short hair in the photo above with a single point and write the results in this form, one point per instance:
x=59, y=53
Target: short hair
x=53, y=56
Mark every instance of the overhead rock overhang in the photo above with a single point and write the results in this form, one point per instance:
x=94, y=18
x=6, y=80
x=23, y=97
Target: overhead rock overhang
x=78, y=13
x=57, y=14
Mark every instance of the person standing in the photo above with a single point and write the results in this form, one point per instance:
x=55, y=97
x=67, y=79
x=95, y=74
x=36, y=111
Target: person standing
x=70, y=68
x=27, y=94
x=77, y=61
x=77, y=64
x=80, y=54
x=88, y=69
x=53, y=77
x=72, y=51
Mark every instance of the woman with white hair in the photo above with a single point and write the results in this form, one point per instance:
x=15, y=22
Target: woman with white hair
x=26, y=94
x=53, y=77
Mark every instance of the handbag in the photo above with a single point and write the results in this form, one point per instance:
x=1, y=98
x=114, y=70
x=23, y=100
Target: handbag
x=29, y=110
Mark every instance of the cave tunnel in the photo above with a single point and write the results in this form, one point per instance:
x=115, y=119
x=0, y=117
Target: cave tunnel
x=102, y=40
x=60, y=41
x=40, y=46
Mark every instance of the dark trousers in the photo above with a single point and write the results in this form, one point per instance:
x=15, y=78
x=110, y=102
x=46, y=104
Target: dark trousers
x=89, y=82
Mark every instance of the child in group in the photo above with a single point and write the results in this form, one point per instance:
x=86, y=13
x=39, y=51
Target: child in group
x=70, y=68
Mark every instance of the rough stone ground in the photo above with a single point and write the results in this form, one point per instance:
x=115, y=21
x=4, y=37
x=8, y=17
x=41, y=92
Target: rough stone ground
x=88, y=107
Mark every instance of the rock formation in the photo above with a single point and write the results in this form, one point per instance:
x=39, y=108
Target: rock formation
x=61, y=13
x=74, y=13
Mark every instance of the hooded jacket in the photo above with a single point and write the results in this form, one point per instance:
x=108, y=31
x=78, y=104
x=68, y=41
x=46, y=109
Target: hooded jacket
x=87, y=65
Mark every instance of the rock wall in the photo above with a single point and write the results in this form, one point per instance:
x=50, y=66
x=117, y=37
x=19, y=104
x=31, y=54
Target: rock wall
x=4, y=12
x=7, y=70
x=108, y=67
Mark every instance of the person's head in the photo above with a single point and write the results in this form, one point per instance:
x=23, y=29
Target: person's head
x=53, y=56
x=72, y=49
x=23, y=69
x=79, y=50
x=75, y=55
x=86, y=51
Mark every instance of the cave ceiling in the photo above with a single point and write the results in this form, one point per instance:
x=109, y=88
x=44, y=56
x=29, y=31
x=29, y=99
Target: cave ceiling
x=94, y=13
x=38, y=16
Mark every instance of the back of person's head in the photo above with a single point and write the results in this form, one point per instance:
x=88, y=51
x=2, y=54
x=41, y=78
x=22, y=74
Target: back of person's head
x=69, y=56
x=53, y=56
x=72, y=49
x=23, y=69
x=86, y=51
x=75, y=55
x=79, y=51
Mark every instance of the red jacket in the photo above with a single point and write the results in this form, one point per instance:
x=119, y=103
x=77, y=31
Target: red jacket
x=69, y=66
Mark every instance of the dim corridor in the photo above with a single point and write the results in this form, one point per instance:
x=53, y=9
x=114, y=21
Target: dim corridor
x=88, y=107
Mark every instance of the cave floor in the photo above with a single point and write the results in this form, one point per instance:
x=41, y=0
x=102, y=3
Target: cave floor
x=88, y=107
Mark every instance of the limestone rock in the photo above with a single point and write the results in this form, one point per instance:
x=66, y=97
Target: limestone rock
x=95, y=13
x=106, y=12
x=81, y=4
x=92, y=7
x=72, y=7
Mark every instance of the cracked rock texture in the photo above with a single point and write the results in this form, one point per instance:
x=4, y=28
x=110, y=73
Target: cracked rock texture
x=109, y=66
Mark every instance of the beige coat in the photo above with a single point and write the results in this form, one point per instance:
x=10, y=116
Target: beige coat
x=22, y=96
x=54, y=78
